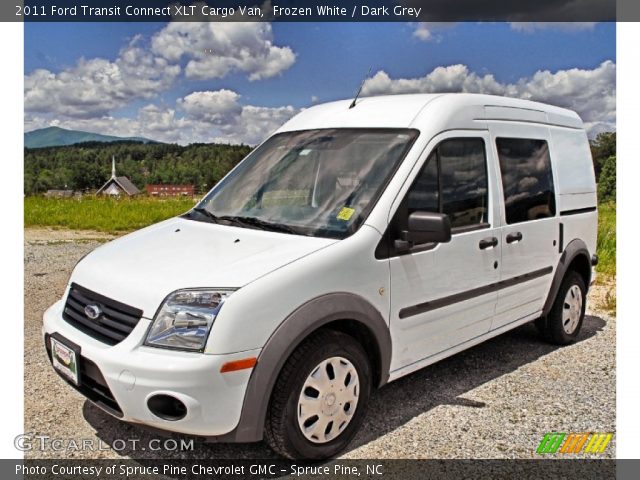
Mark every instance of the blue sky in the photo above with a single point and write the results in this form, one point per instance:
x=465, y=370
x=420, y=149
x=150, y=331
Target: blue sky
x=289, y=66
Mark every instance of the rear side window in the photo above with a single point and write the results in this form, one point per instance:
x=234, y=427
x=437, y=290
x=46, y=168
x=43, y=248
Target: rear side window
x=454, y=181
x=527, y=179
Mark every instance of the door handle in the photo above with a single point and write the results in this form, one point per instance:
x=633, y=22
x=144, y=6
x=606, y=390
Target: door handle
x=488, y=242
x=514, y=237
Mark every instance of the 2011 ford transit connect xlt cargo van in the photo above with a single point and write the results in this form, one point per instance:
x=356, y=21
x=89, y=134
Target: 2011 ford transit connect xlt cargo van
x=354, y=246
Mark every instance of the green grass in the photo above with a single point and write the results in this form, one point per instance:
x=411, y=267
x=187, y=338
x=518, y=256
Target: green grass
x=100, y=213
x=607, y=239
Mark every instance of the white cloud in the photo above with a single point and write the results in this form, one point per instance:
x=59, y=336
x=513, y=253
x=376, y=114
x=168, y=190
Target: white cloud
x=454, y=78
x=217, y=107
x=423, y=32
x=97, y=86
x=220, y=114
x=206, y=116
x=215, y=49
x=161, y=121
x=591, y=93
x=255, y=124
x=429, y=31
x=530, y=27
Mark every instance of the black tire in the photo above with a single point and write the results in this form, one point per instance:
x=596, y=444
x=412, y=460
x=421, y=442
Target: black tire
x=282, y=431
x=552, y=326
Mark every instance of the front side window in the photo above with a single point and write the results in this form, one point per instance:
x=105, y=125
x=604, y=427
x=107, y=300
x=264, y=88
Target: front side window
x=527, y=179
x=454, y=181
x=313, y=182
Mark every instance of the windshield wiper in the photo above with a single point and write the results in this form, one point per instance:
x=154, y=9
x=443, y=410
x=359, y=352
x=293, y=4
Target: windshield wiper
x=206, y=213
x=251, y=222
x=261, y=224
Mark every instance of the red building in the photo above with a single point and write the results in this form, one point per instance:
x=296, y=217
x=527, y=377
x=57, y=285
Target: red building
x=170, y=190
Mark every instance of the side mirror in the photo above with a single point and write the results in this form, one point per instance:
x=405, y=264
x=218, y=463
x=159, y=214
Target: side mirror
x=425, y=227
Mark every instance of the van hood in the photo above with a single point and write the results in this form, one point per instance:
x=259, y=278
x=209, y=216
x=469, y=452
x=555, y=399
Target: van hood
x=142, y=268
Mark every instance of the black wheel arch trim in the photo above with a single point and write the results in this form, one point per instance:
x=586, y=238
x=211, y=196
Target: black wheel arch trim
x=573, y=249
x=306, y=319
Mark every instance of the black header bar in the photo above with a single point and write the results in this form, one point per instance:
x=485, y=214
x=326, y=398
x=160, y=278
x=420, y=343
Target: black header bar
x=319, y=10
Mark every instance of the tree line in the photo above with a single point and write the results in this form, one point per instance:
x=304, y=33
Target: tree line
x=86, y=166
x=603, y=151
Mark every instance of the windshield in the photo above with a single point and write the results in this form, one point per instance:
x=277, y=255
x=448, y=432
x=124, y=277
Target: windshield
x=313, y=182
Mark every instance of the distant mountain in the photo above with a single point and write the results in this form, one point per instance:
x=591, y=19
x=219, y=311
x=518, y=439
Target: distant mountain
x=56, y=137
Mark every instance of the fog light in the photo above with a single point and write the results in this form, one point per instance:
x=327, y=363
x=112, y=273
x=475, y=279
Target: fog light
x=167, y=407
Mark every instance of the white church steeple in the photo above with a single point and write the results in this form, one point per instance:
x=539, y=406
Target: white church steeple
x=113, y=167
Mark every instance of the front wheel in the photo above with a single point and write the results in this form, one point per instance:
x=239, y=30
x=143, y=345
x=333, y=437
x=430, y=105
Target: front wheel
x=320, y=397
x=564, y=321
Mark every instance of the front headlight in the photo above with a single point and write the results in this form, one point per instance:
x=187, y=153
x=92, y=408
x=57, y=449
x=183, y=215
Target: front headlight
x=185, y=319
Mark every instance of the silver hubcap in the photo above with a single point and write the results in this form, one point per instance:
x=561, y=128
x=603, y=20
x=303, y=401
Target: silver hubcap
x=328, y=400
x=572, y=309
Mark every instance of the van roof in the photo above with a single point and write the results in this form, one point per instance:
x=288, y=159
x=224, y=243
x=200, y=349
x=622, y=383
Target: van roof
x=448, y=110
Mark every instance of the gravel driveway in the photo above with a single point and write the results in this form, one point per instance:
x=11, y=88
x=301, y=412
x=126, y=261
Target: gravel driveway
x=496, y=400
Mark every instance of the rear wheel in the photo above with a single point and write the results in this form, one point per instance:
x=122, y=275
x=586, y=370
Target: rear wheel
x=564, y=321
x=320, y=397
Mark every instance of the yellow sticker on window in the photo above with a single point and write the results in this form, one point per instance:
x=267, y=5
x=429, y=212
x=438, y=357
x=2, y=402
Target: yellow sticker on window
x=345, y=214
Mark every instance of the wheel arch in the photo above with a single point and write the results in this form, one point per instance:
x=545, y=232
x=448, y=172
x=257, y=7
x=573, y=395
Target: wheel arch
x=345, y=312
x=574, y=257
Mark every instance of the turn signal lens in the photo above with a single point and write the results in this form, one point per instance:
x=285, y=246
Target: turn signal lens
x=238, y=365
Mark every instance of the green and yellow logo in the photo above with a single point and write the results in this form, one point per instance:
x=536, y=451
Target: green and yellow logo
x=556, y=442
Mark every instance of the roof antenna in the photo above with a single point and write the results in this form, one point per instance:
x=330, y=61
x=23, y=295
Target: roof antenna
x=353, y=104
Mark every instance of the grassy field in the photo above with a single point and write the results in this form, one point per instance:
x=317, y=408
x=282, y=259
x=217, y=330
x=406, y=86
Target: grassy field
x=607, y=239
x=101, y=213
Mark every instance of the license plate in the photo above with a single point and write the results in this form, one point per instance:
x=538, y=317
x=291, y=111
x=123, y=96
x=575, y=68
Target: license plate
x=65, y=360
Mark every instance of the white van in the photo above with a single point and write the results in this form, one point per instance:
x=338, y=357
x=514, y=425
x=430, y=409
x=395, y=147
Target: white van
x=354, y=246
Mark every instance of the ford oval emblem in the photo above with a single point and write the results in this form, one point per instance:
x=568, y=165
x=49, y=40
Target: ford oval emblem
x=92, y=311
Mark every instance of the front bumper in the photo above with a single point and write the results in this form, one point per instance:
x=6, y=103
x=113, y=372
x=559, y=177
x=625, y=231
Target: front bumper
x=133, y=373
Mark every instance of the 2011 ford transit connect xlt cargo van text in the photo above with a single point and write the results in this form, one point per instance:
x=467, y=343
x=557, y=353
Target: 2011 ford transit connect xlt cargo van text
x=354, y=246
